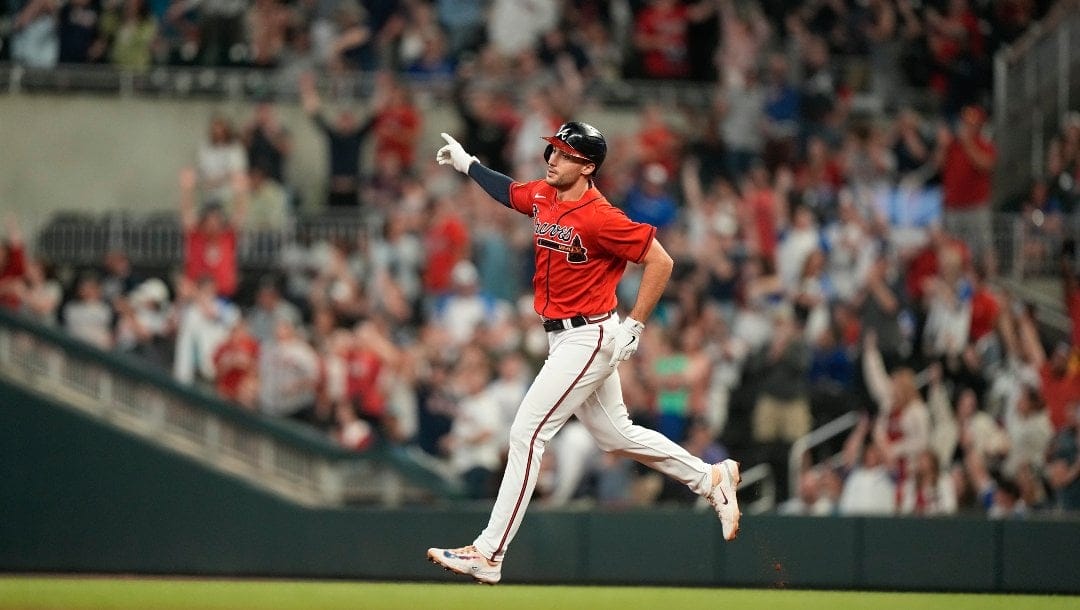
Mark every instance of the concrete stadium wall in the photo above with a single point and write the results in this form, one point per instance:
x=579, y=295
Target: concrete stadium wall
x=107, y=153
x=81, y=497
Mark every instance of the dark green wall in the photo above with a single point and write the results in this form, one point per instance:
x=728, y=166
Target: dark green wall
x=80, y=496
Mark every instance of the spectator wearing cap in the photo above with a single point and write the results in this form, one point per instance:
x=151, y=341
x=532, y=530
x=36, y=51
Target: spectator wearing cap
x=967, y=166
x=467, y=308
x=144, y=322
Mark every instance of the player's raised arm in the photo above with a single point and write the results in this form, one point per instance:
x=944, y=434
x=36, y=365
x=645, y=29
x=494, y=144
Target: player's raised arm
x=494, y=184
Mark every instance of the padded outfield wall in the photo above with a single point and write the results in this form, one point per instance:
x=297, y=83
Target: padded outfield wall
x=79, y=496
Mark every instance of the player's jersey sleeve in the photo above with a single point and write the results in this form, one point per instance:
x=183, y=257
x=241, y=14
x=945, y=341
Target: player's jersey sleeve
x=623, y=237
x=522, y=196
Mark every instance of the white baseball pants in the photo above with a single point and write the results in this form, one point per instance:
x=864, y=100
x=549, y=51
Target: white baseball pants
x=576, y=379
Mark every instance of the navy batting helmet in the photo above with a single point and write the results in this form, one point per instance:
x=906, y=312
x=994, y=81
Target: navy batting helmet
x=580, y=140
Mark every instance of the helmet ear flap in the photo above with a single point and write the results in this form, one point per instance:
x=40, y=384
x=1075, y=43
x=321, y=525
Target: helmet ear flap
x=547, y=152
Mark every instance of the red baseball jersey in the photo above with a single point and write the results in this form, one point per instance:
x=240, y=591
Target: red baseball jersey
x=581, y=249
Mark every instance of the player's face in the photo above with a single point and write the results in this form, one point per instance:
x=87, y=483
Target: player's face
x=565, y=170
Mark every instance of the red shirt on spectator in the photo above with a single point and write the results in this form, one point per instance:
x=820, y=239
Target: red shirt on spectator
x=11, y=274
x=362, y=382
x=234, y=360
x=213, y=255
x=1058, y=392
x=762, y=206
x=665, y=28
x=396, y=129
x=446, y=243
x=965, y=184
x=985, y=309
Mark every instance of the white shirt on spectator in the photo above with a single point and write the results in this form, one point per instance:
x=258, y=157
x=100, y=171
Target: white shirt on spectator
x=868, y=491
x=200, y=332
x=288, y=373
x=90, y=321
x=477, y=415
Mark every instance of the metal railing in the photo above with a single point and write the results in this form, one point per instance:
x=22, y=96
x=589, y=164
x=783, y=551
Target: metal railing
x=288, y=460
x=816, y=437
x=1036, y=82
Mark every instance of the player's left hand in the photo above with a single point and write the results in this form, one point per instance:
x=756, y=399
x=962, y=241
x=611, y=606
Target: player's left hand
x=627, y=339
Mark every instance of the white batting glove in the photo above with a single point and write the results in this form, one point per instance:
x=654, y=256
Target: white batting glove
x=627, y=339
x=454, y=154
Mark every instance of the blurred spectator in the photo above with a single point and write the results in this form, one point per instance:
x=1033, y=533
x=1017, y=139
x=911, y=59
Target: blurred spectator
x=487, y=121
x=210, y=236
x=143, y=323
x=967, y=166
x=1029, y=431
x=463, y=21
x=344, y=138
x=118, y=278
x=34, y=41
x=868, y=488
x=203, y=326
x=980, y=435
x=446, y=242
x=466, y=309
x=351, y=47
x=474, y=440
x=268, y=204
x=514, y=26
x=1063, y=466
x=265, y=24
x=132, y=36
x=221, y=158
x=928, y=491
x=397, y=124
x=221, y=27
x=78, y=25
x=88, y=316
x=660, y=36
x=41, y=301
x=741, y=106
x=268, y=142
x=678, y=374
x=268, y=308
x=810, y=501
x=902, y=429
x=288, y=374
x=781, y=412
x=12, y=265
x=236, y=362
x=650, y=200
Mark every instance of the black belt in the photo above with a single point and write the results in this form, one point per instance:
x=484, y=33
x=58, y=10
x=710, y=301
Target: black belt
x=576, y=321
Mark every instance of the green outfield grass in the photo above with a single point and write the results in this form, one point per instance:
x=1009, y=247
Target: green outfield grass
x=33, y=593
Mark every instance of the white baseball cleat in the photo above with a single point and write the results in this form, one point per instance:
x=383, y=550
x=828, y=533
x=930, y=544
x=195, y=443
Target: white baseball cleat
x=467, y=561
x=725, y=483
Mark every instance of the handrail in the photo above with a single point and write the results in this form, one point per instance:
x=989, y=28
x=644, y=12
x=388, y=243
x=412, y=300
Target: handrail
x=814, y=438
x=281, y=456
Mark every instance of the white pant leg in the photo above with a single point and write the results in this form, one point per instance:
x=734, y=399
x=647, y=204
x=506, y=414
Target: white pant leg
x=575, y=367
x=604, y=414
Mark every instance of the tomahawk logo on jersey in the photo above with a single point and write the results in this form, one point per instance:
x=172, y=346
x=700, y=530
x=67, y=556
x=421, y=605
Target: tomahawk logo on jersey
x=581, y=247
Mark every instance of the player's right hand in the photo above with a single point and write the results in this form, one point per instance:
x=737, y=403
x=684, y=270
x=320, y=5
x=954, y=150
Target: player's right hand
x=454, y=154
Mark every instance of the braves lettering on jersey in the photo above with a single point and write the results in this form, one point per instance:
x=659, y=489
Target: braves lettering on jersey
x=581, y=249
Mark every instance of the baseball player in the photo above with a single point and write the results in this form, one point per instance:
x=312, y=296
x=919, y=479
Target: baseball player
x=582, y=244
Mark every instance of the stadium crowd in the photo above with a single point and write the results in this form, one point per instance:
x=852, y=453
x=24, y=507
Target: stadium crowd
x=826, y=260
